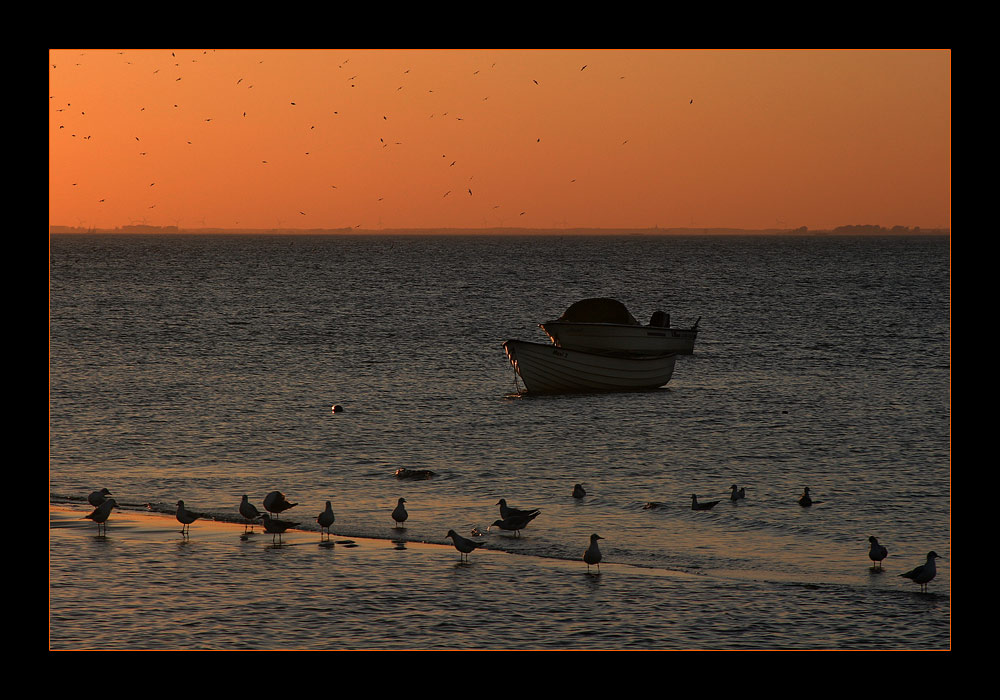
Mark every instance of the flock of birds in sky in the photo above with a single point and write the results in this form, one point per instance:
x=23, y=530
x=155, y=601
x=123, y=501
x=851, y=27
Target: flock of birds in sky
x=510, y=520
x=184, y=119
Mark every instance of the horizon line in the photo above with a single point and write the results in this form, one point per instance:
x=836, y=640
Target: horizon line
x=855, y=229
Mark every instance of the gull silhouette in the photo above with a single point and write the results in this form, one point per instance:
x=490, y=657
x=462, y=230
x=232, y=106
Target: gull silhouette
x=593, y=553
x=462, y=544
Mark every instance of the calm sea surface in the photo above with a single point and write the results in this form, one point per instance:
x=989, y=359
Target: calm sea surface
x=203, y=368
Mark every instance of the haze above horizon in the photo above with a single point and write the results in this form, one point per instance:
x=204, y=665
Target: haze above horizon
x=428, y=139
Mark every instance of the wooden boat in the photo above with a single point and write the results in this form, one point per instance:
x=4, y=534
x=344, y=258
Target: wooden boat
x=605, y=325
x=548, y=368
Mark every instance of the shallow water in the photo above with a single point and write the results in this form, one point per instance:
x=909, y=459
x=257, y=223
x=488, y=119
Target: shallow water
x=203, y=368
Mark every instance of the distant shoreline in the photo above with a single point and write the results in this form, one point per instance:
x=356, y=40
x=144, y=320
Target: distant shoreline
x=863, y=230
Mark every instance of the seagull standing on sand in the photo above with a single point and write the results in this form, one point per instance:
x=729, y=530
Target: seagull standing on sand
x=96, y=498
x=249, y=511
x=325, y=520
x=462, y=544
x=276, y=527
x=877, y=552
x=275, y=502
x=737, y=495
x=399, y=514
x=924, y=573
x=515, y=523
x=185, y=517
x=506, y=511
x=593, y=553
x=101, y=513
x=701, y=506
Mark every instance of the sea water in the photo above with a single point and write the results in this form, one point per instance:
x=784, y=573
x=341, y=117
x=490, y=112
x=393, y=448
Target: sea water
x=203, y=368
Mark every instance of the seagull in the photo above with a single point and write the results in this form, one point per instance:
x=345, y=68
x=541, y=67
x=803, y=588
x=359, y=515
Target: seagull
x=578, y=491
x=185, y=517
x=101, y=513
x=701, y=506
x=506, y=511
x=399, y=514
x=462, y=544
x=516, y=523
x=275, y=526
x=96, y=498
x=804, y=500
x=924, y=573
x=877, y=552
x=275, y=502
x=737, y=495
x=326, y=519
x=249, y=511
x=593, y=553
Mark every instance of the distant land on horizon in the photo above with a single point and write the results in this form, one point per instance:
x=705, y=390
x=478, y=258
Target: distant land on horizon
x=852, y=230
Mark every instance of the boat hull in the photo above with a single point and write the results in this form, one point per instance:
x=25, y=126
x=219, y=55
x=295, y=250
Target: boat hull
x=551, y=369
x=618, y=337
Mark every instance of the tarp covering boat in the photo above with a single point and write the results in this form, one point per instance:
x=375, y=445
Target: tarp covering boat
x=598, y=310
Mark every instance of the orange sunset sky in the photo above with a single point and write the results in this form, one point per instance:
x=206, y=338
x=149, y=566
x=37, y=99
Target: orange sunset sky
x=451, y=138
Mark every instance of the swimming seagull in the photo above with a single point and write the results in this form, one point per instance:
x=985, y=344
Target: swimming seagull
x=101, y=513
x=275, y=502
x=185, y=517
x=399, y=514
x=249, y=511
x=506, y=511
x=593, y=553
x=805, y=500
x=701, y=506
x=462, y=544
x=96, y=498
x=578, y=491
x=877, y=552
x=924, y=573
x=275, y=526
x=325, y=520
x=515, y=523
x=737, y=495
